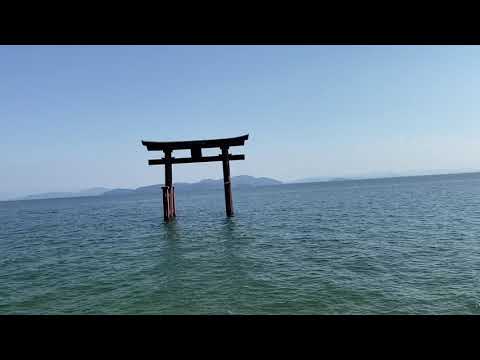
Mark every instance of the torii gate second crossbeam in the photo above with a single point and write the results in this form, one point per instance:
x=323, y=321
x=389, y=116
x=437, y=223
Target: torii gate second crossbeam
x=195, y=147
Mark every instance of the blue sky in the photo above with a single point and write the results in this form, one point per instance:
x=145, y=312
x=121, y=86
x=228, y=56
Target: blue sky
x=72, y=117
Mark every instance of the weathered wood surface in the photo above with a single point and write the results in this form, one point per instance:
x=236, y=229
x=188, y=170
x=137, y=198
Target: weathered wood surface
x=166, y=204
x=169, y=209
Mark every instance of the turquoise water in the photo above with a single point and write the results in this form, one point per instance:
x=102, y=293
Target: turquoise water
x=390, y=246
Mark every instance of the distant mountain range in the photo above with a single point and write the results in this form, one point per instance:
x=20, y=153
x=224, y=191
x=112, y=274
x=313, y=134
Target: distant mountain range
x=241, y=181
x=53, y=195
x=237, y=182
x=382, y=175
x=344, y=178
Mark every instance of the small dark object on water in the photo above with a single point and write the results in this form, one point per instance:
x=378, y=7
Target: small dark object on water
x=195, y=147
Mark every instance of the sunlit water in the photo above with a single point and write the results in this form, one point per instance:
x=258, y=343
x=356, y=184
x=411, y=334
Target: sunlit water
x=392, y=246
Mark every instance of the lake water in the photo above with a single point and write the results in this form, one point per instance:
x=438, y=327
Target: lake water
x=387, y=246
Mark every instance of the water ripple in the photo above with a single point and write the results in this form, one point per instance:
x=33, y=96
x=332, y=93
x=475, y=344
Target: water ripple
x=368, y=247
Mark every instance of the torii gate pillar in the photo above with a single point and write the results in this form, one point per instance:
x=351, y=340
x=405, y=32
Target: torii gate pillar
x=227, y=183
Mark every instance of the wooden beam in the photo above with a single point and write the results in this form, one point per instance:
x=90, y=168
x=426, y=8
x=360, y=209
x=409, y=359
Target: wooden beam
x=179, y=145
x=191, y=160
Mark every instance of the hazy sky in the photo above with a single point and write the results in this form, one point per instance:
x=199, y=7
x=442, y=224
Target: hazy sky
x=72, y=117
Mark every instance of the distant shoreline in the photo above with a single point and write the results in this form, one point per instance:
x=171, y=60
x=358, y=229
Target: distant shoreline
x=382, y=178
x=216, y=185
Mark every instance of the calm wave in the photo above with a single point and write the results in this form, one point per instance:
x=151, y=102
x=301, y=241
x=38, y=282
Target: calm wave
x=386, y=246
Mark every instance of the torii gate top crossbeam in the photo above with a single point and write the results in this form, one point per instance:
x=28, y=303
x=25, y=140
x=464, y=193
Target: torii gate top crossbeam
x=182, y=145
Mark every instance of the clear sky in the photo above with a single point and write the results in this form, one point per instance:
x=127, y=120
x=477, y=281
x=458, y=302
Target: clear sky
x=72, y=117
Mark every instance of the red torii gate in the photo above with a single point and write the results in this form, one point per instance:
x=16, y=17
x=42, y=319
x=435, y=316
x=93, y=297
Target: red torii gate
x=195, y=147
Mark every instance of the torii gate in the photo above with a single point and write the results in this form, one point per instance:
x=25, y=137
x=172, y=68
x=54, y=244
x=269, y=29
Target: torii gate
x=195, y=147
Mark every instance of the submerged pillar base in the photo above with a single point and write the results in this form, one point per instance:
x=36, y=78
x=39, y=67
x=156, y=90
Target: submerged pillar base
x=169, y=211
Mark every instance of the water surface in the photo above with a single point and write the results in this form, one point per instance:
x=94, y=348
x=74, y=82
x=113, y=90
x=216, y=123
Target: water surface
x=386, y=246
